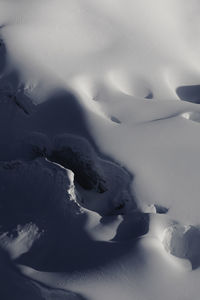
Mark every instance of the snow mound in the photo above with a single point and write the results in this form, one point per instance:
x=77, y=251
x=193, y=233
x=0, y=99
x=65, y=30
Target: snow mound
x=20, y=241
x=183, y=242
x=103, y=185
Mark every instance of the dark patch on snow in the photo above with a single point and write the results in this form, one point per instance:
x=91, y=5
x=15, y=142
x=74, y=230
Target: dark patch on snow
x=15, y=286
x=161, y=209
x=190, y=93
x=115, y=120
x=149, y=96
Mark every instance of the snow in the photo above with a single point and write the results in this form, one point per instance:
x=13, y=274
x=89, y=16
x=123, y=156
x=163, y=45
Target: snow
x=183, y=242
x=26, y=236
x=99, y=149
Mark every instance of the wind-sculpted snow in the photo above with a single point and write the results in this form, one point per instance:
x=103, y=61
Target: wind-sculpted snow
x=55, y=203
x=39, y=185
x=99, y=149
x=19, y=241
x=37, y=192
x=16, y=286
x=103, y=186
x=184, y=242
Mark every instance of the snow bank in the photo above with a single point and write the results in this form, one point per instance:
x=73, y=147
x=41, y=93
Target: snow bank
x=103, y=186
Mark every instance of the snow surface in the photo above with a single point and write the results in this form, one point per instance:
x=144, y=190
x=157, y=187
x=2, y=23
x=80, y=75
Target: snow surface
x=99, y=149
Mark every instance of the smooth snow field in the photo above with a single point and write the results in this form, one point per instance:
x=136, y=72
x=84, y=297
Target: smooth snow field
x=99, y=150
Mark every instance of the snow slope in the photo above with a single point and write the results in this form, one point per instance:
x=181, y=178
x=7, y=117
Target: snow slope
x=99, y=147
